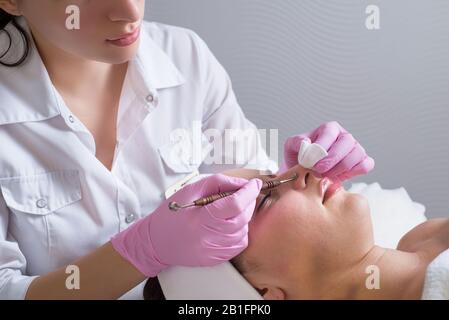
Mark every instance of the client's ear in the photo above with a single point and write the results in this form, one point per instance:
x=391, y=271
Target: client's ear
x=272, y=293
x=10, y=6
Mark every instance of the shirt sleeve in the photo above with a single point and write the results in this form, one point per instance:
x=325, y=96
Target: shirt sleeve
x=13, y=281
x=237, y=143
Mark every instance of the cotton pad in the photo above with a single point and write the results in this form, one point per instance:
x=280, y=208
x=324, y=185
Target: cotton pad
x=310, y=153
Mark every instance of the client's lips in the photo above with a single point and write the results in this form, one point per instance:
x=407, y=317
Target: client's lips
x=329, y=188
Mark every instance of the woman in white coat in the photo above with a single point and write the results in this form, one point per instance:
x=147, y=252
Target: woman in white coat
x=87, y=117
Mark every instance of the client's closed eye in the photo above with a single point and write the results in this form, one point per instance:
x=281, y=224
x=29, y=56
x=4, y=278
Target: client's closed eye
x=267, y=200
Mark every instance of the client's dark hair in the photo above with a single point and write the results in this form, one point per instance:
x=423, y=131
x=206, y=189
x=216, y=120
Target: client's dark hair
x=6, y=19
x=153, y=289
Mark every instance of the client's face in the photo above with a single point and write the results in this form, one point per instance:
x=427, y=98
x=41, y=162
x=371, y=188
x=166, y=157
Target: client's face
x=302, y=234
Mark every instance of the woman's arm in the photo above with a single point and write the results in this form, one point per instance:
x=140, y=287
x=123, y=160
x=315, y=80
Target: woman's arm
x=104, y=274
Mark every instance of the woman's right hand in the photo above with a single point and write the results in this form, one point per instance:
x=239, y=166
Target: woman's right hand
x=197, y=236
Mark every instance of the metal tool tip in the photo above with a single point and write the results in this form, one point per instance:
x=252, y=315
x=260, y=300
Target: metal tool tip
x=296, y=176
x=174, y=206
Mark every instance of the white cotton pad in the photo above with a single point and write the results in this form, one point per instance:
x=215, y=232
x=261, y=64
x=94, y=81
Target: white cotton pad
x=310, y=153
x=222, y=282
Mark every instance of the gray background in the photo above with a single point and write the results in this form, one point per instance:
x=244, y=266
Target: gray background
x=298, y=63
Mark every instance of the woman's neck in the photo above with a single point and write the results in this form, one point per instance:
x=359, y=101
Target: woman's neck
x=383, y=274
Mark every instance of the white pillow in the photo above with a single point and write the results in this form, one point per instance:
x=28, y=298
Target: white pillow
x=393, y=212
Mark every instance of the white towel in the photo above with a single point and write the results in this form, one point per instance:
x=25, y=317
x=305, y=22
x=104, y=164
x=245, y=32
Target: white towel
x=436, y=283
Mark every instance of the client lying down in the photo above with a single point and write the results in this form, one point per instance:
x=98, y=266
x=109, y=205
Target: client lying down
x=312, y=240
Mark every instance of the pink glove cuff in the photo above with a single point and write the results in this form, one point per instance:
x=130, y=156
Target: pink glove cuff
x=134, y=244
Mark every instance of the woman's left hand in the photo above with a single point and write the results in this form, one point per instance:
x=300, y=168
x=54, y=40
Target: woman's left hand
x=346, y=157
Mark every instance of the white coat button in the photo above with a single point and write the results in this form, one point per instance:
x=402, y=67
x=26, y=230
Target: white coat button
x=41, y=203
x=71, y=119
x=130, y=218
x=150, y=98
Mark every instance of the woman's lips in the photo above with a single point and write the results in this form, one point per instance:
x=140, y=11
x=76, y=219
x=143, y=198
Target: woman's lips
x=329, y=188
x=125, y=40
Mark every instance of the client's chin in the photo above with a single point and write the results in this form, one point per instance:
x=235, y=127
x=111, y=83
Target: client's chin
x=349, y=204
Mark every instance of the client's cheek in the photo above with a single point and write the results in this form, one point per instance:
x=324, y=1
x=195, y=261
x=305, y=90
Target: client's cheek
x=264, y=240
x=268, y=224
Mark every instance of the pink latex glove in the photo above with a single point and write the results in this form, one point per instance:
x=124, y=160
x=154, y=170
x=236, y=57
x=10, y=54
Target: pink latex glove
x=197, y=236
x=346, y=157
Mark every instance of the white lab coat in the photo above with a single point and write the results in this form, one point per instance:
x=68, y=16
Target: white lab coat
x=58, y=202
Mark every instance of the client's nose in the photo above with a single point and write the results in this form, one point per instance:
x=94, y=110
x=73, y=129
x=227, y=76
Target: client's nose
x=303, y=177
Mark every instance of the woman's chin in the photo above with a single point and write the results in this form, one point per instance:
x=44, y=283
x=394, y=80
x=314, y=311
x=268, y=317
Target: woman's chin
x=116, y=55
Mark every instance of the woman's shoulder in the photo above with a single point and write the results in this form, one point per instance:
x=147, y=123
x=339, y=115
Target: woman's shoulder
x=185, y=48
x=429, y=238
